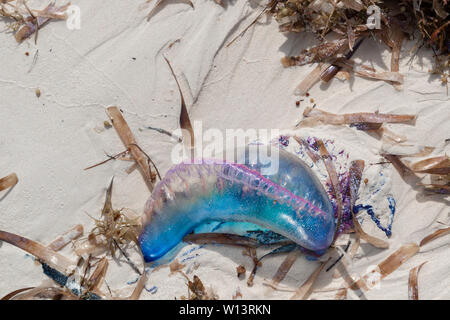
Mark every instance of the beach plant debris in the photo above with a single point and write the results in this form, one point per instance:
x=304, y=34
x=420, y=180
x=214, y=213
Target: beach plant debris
x=8, y=182
x=333, y=70
x=114, y=228
x=268, y=7
x=251, y=252
x=305, y=289
x=26, y=21
x=413, y=286
x=434, y=165
x=342, y=192
x=73, y=277
x=398, y=164
x=355, y=176
x=158, y=5
x=284, y=268
x=197, y=291
x=312, y=78
x=46, y=291
x=97, y=277
x=393, y=262
x=334, y=179
x=185, y=121
x=339, y=25
x=142, y=159
x=360, y=120
x=66, y=238
x=139, y=287
x=376, y=242
x=240, y=271
x=14, y=293
x=386, y=267
x=121, y=156
x=45, y=255
x=175, y=266
x=437, y=168
x=437, y=234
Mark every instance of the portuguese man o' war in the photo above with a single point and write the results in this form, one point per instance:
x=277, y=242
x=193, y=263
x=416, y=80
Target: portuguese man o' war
x=290, y=201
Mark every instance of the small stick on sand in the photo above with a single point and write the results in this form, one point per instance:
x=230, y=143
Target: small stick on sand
x=305, y=290
x=66, y=238
x=8, y=182
x=413, y=287
x=127, y=137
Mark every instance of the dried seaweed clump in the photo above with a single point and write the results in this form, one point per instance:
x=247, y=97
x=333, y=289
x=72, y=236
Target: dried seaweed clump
x=26, y=21
x=111, y=231
x=197, y=291
x=349, y=20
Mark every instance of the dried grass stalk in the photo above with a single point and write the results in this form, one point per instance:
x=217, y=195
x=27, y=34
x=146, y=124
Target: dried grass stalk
x=398, y=164
x=8, y=182
x=332, y=174
x=285, y=266
x=437, y=234
x=249, y=26
x=315, y=116
x=413, y=288
x=12, y=294
x=395, y=260
x=66, y=238
x=370, y=73
x=354, y=247
x=127, y=137
x=355, y=171
x=355, y=176
x=120, y=155
x=41, y=252
x=386, y=267
x=376, y=242
x=311, y=79
x=305, y=290
x=251, y=252
x=350, y=34
x=96, y=279
x=397, y=38
x=435, y=165
x=311, y=154
x=158, y=4
x=185, y=121
x=139, y=287
x=47, y=292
